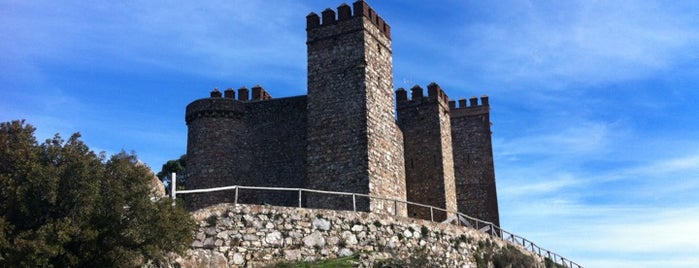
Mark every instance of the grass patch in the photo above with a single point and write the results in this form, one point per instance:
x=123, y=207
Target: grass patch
x=550, y=264
x=345, y=262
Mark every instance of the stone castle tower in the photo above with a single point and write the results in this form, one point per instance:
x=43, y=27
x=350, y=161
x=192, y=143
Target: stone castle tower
x=343, y=135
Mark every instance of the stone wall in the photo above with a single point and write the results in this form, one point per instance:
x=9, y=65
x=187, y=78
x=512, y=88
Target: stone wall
x=258, y=236
x=473, y=160
x=251, y=142
x=216, y=150
x=429, y=167
x=354, y=144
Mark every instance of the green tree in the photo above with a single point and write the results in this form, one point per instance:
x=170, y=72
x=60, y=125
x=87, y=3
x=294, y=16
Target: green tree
x=178, y=166
x=63, y=205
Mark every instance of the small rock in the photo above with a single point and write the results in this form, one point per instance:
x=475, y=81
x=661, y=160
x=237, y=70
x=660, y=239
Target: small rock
x=314, y=239
x=197, y=244
x=238, y=259
x=407, y=233
x=295, y=234
x=201, y=236
x=292, y=255
x=274, y=238
x=345, y=252
x=250, y=237
x=222, y=235
x=372, y=228
x=358, y=228
x=209, y=242
x=321, y=224
x=349, y=237
x=211, y=231
x=333, y=240
x=218, y=260
x=269, y=225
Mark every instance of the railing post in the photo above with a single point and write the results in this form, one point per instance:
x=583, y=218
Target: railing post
x=236, y=196
x=299, y=198
x=173, y=187
x=395, y=207
x=431, y=213
x=354, y=202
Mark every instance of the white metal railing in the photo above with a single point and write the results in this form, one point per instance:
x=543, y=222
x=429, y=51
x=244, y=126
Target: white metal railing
x=458, y=218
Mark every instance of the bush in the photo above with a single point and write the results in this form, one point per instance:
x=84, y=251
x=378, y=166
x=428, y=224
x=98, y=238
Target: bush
x=63, y=205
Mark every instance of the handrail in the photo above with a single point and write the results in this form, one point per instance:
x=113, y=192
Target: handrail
x=480, y=225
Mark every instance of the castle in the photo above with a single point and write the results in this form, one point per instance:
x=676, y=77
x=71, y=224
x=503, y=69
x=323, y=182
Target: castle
x=346, y=134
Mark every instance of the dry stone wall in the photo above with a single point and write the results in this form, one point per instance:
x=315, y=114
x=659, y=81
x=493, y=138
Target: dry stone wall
x=259, y=236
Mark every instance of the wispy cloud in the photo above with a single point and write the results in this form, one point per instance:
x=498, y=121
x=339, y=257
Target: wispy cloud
x=578, y=138
x=554, y=45
x=209, y=39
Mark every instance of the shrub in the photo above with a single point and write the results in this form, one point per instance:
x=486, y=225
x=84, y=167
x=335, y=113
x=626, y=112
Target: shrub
x=212, y=220
x=63, y=205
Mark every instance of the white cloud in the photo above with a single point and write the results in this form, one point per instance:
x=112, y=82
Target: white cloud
x=551, y=45
x=210, y=39
x=574, y=139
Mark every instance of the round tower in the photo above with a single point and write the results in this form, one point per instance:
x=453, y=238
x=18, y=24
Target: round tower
x=216, y=146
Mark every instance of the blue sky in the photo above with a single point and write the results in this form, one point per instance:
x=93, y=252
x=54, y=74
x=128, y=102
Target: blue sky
x=594, y=103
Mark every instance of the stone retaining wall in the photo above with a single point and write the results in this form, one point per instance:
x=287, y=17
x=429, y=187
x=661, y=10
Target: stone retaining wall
x=260, y=236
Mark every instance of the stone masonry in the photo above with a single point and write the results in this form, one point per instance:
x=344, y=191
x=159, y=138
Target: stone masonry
x=350, y=133
x=473, y=161
x=262, y=236
x=429, y=165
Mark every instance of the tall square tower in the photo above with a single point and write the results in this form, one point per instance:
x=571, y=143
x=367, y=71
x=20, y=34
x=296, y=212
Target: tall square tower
x=354, y=144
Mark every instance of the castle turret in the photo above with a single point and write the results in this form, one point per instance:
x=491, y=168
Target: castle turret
x=473, y=159
x=250, y=141
x=216, y=146
x=429, y=167
x=354, y=144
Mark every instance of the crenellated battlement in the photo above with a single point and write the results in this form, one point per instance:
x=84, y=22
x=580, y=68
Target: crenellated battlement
x=345, y=13
x=225, y=104
x=470, y=106
x=258, y=94
x=472, y=102
x=216, y=106
x=435, y=93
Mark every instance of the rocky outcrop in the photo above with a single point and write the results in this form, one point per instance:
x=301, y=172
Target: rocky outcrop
x=157, y=187
x=258, y=236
